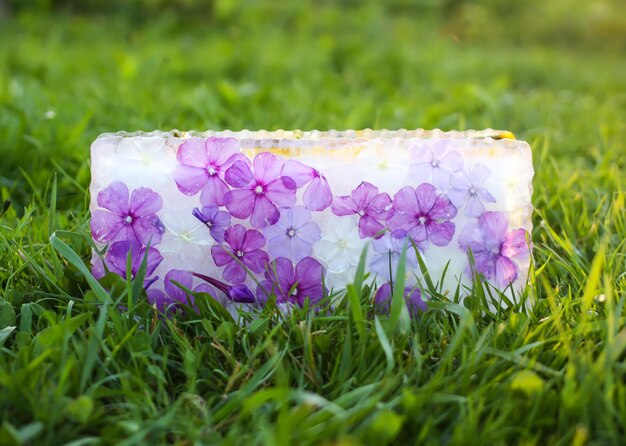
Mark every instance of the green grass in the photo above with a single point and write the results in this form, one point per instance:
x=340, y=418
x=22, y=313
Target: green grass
x=74, y=368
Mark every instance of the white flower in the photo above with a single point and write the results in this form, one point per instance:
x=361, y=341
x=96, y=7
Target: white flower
x=186, y=237
x=149, y=158
x=340, y=249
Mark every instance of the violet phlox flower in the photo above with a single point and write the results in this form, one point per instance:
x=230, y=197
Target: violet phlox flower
x=435, y=160
x=371, y=206
x=202, y=167
x=117, y=256
x=317, y=196
x=423, y=214
x=243, y=251
x=127, y=217
x=259, y=193
x=494, y=248
x=388, y=250
x=412, y=296
x=293, y=285
x=467, y=190
x=217, y=221
x=293, y=235
x=173, y=294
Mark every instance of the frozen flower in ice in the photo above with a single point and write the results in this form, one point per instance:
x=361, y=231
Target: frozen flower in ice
x=493, y=248
x=412, y=295
x=366, y=202
x=150, y=154
x=243, y=251
x=203, y=164
x=340, y=246
x=467, y=190
x=293, y=235
x=258, y=194
x=291, y=285
x=173, y=294
x=435, y=160
x=217, y=221
x=388, y=249
x=125, y=218
x=317, y=195
x=117, y=256
x=185, y=238
x=423, y=214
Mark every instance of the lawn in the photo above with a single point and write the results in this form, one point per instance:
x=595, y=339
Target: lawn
x=77, y=369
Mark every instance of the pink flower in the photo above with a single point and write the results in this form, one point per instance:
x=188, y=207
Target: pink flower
x=259, y=193
x=203, y=164
x=127, y=218
x=368, y=204
x=423, y=214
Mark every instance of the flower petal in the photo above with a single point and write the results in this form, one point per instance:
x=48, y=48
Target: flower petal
x=239, y=175
x=182, y=277
x=214, y=191
x=442, y=208
x=485, y=195
x=252, y=240
x=516, y=244
x=221, y=256
x=421, y=172
x=370, y=227
x=192, y=152
x=505, y=271
x=309, y=232
x=234, y=272
x=441, y=178
x=318, y=195
x=240, y=202
x=300, y=173
x=235, y=237
x=479, y=174
x=459, y=197
x=401, y=221
x=281, y=191
x=475, y=207
x=190, y=180
x=264, y=212
x=344, y=205
x=451, y=161
x=405, y=200
x=256, y=260
x=105, y=225
x=114, y=198
x=144, y=202
x=495, y=224
x=148, y=230
x=267, y=167
x=220, y=150
x=440, y=234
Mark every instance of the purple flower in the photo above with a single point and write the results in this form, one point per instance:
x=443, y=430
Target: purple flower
x=435, y=160
x=317, y=195
x=291, y=285
x=259, y=194
x=203, y=164
x=117, y=256
x=493, y=248
x=293, y=235
x=388, y=249
x=174, y=294
x=127, y=218
x=412, y=295
x=243, y=251
x=234, y=293
x=423, y=214
x=467, y=189
x=217, y=221
x=366, y=202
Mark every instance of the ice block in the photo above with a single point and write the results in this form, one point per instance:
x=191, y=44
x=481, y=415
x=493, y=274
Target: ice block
x=245, y=215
